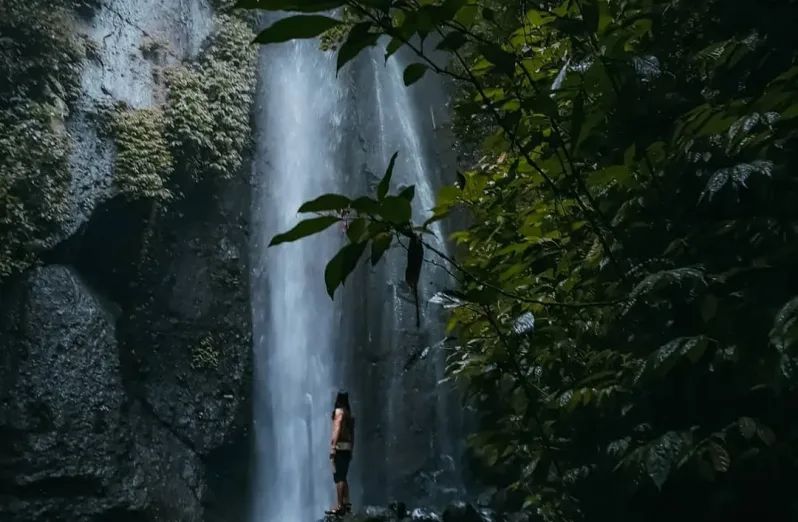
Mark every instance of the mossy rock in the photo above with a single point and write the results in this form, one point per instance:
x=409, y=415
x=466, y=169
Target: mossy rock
x=209, y=103
x=40, y=62
x=203, y=129
x=144, y=161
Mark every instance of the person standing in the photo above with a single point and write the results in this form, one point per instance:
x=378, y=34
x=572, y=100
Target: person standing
x=343, y=443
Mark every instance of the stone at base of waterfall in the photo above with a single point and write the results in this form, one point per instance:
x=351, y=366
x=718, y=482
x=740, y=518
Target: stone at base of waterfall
x=457, y=511
x=460, y=511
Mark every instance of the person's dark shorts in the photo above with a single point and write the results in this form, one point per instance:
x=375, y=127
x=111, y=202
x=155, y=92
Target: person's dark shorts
x=341, y=461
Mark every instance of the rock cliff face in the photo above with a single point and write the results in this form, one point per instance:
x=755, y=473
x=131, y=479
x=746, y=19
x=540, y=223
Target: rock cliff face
x=125, y=356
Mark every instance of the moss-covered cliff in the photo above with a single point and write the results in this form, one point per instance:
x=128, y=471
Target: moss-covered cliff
x=125, y=355
x=40, y=60
x=203, y=129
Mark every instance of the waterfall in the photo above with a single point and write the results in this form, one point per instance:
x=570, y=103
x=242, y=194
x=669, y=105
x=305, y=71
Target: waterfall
x=422, y=422
x=320, y=133
x=295, y=323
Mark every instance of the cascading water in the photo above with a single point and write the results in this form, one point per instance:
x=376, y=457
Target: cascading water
x=294, y=321
x=422, y=422
x=315, y=132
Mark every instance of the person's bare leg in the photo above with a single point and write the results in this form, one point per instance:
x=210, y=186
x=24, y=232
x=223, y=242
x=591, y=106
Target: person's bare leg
x=346, y=501
x=339, y=489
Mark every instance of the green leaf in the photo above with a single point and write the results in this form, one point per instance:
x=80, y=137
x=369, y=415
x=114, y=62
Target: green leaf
x=358, y=39
x=436, y=216
x=590, y=14
x=447, y=195
x=614, y=173
x=535, y=18
x=296, y=28
x=385, y=182
x=661, y=361
x=766, y=435
x=396, y=209
x=356, y=229
x=747, y=427
x=341, y=265
x=379, y=245
x=413, y=73
x=326, y=202
x=365, y=205
x=448, y=9
x=452, y=41
x=662, y=455
x=467, y=15
x=408, y=193
x=301, y=6
x=719, y=457
x=504, y=61
x=394, y=45
x=304, y=228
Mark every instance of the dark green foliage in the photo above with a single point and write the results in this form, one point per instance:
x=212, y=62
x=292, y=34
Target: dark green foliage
x=627, y=313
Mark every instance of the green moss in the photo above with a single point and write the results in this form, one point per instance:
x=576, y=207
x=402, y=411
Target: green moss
x=152, y=46
x=143, y=159
x=208, y=109
x=40, y=54
x=33, y=181
x=40, y=59
x=332, y=39
x=203, y=129
x=206, y=354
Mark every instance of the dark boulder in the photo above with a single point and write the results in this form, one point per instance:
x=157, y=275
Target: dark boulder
x=459, y=511
x=61, y=401
x=74, y=446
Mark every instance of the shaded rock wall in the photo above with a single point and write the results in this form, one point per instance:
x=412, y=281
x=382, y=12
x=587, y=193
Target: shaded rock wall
x=125, y=382
x=125, y=357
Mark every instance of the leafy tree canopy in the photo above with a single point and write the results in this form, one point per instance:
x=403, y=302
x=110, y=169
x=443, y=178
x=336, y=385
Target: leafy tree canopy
x=627, y=310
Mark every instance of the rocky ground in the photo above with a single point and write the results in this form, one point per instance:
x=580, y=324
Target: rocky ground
x=455, y=512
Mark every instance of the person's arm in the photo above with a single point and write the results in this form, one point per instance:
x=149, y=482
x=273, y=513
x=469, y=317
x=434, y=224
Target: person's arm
x=339, y=415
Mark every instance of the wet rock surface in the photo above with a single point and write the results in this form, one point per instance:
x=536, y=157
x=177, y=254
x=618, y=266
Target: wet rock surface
x=113, y=404
x=456, y=511
x=75, y=444
x=125, y=360
x=125, y=368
